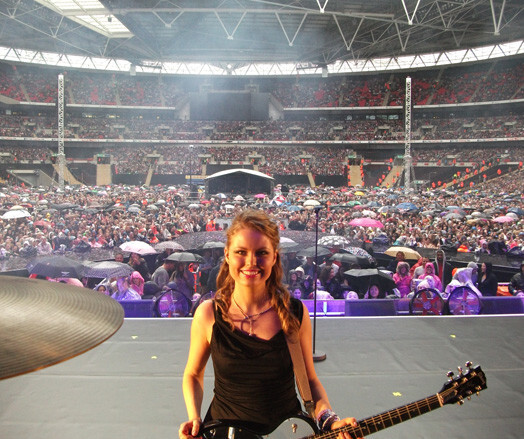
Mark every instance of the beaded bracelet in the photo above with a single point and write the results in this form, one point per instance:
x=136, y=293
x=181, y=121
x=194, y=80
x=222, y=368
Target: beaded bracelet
x=326, y=418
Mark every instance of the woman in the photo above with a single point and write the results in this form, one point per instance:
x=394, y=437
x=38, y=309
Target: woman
x=403, y=279
x=244, y=330
x=183, y=280
x=487, y=281
x=295, y=285
x=429, y=272
x=123, y=292
x=136, y=283
x=374, y=292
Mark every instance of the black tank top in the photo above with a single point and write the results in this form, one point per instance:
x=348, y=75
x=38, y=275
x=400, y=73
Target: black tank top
x=254, y=379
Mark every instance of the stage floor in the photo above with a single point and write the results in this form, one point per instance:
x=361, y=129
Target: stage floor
x=130, y=386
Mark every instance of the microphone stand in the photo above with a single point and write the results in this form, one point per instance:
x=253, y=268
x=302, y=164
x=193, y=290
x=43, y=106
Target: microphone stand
x=317, y=356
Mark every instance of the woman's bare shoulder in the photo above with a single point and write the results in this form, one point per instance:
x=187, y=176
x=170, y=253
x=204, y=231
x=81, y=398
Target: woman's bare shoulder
x=205, y=312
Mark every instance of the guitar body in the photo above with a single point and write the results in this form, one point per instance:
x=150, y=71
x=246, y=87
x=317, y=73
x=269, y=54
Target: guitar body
x=292, y=428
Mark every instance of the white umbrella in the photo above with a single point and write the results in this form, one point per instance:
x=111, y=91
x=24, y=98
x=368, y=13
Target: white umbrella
x=311, y=203
x=333, y=240
x=14, y=214
x=239, y=198
x=140, y=247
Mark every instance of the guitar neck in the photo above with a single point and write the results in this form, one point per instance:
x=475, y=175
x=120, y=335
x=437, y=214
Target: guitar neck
x=387, y=419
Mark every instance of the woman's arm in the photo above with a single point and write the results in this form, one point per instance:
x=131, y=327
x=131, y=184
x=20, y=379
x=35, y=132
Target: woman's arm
x=193, y=381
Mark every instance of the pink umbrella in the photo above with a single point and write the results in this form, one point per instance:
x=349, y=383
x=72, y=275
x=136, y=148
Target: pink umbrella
x=260, y=196
x=503, y=219
x=366, y=222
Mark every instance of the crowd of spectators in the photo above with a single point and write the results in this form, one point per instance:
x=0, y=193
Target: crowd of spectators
x=101, y=219
x=494, y=81
x=445, y=128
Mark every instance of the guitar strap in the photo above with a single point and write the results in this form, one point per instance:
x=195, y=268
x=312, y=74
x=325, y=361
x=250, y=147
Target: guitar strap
x=301, y=376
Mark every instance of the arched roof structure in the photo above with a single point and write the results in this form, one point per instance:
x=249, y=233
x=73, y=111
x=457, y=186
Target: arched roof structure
x=227, y=36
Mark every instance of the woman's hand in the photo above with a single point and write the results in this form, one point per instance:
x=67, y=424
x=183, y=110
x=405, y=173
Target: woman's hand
x=342, y=423
x=189, y=429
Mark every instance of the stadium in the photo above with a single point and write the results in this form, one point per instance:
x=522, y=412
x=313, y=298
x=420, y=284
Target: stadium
x=401, y=121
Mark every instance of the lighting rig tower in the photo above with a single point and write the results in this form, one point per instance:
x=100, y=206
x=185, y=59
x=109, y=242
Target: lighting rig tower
x=409, y=173
x=61, y=154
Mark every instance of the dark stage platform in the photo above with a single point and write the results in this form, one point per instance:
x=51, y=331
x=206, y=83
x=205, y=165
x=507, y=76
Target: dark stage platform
x=130, y=386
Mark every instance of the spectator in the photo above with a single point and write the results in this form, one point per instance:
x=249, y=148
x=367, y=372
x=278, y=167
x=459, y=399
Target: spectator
x=487, y=281
x=516, y=284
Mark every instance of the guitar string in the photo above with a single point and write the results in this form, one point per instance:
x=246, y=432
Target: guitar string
x=402, y=410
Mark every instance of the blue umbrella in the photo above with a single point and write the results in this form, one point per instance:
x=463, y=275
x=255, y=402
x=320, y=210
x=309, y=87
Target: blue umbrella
x=407, y=206
x=517, y=210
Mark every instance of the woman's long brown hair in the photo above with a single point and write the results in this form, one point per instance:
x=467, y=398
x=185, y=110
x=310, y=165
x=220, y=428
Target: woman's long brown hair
x=279, y=295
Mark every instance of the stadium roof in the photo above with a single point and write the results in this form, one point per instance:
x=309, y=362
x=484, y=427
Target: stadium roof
x=229, y=35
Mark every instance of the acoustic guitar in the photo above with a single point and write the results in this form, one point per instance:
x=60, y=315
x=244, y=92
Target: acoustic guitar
x=455, y=390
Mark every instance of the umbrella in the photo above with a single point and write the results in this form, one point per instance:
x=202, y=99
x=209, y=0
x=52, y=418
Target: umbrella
x=366, y=222
x=69, y=280
x=503, y=219
x=407, y=206
x=286, y=243
x=239, y=198
x=197, y=239
x=293, y=208
x=105, y=269
x=360, y=252
x=184, y=257
x=311, y=203
x=140, y=247
x=56, y=266
x=133, y=209
x=212, y=245
x=360, y=193
x=260, y=196
x=168, y=245
x=453, y=215
x=516, y=210
x=369, y=213
x=333, y=241
x=409, y=253
x=310, y=252
x=42, y=223
x=302, y=237
x=363, y=278
x=17, y=213
x=348, y=258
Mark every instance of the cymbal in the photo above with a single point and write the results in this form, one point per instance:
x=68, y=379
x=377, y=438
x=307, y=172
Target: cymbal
x=44, y=323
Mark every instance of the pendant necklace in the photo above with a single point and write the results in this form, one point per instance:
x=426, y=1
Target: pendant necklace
x=250, y=318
